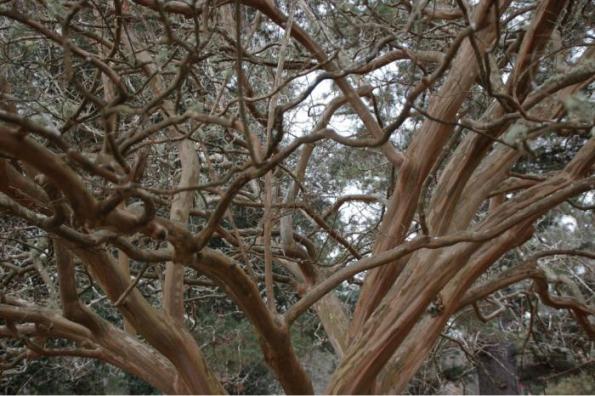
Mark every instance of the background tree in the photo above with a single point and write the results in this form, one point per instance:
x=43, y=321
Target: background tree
x=388, y=165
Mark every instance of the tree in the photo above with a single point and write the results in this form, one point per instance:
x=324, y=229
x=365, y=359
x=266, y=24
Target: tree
x=225, y=140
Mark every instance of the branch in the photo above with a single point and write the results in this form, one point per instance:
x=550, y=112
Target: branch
x=487, y=230
x=530, y=270
x=273, y=332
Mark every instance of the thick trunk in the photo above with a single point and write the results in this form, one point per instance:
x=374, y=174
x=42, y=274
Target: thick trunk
x=412, y=354
x=120, y=349
x=331, y=313
x=421, y=155
x=464, y=186
x=394, y=319
x=173, y=288
x=173, y=341
x=272, y=332
x=419, y=284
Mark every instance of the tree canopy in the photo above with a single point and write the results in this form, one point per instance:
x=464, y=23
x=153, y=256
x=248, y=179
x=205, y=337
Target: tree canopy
x=386, y=166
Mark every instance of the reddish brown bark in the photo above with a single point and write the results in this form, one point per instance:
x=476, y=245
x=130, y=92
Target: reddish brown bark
x=436, y=237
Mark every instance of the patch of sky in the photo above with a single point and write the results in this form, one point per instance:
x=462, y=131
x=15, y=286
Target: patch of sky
x=568, y=223
x=411, y=236
x=588, y=198
x=505, y=76
x=518, y=21
x=580, y=270
x=302, y=119
x=358, y=214
x=576, y=53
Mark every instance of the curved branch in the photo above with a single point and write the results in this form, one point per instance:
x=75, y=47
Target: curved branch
x=488, y=229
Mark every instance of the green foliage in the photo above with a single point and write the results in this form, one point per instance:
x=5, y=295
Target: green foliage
x=231, y=346
x=63, y=376
x=581, y=384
